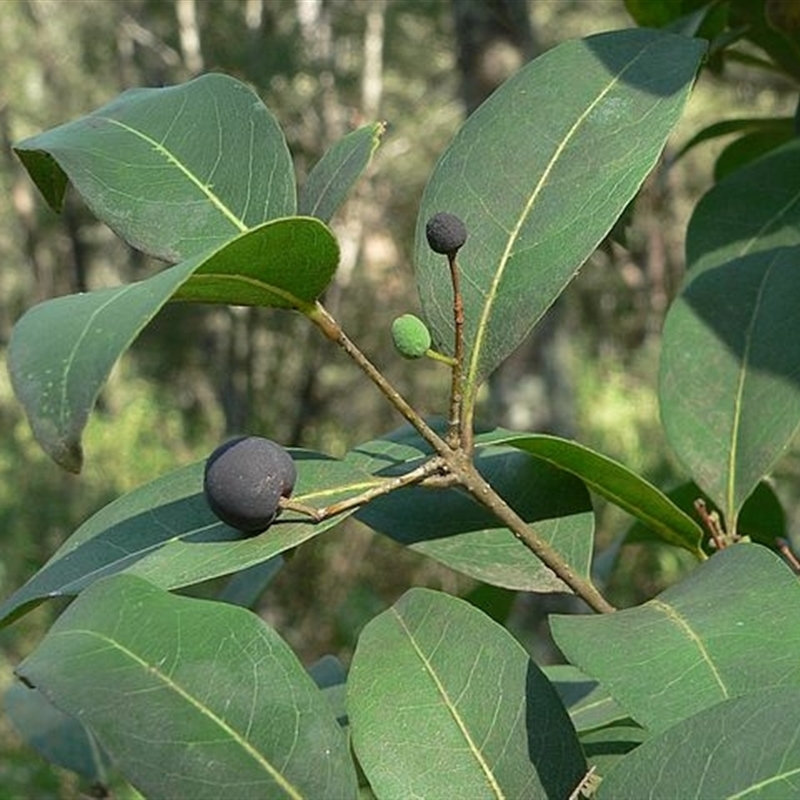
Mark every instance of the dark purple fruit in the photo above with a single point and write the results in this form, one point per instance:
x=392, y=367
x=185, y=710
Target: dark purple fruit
x=446, y=233
x=245, y=479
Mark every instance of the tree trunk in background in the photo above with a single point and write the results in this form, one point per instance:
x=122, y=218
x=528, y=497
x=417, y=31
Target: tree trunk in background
x=530, y=391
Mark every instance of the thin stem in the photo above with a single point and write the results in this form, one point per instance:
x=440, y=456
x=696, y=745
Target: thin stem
x=456, y=434
x=333, y=331
x=474, y=483
x=431, y=467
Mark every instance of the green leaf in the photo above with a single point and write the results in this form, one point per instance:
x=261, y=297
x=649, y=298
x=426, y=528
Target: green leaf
x=444, y=703
x=618, y=484
x=164, y=531
x=62, y=350
x=728, y=385
x=175, y=172
x=540, y=173
x=748, y=148
x=742, y=125
x=755, y=208
x=286, y=263
x=332, y=178
x=56, y=736
x=605, y=747
x=454, y=529
x=718, y=634
x=745, y=747
x=589, y=705
x=191, y=698
x=762, y=517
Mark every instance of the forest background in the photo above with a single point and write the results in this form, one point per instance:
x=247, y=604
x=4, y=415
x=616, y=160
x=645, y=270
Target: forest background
x=324, y=67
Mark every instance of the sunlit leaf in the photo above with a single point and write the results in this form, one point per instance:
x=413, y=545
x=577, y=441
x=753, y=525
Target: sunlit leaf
x=164, y=531
x=175, y=172
x=456, y=530
x=755, y=208
x=332, y=178
x=616, y=483
x=540, y=173
x=443, y=702
x=191, y=698
x=720, y=633
x=744, y=747
x=62, y=350
x=729, y=384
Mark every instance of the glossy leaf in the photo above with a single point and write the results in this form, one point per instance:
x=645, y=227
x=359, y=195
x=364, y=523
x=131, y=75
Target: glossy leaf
x=729, y=388
x=332, y=178
x=618, y=484
x=755, y=208
x=452, y=528
x=287, y=263
x=56, y=736
x=540, y=173
x=718, y=634
x=762, y=517
x=191, y=698
x=165, y=532
x=744, y=747
x=62, y=350
x=175, y=172
x=443, y=702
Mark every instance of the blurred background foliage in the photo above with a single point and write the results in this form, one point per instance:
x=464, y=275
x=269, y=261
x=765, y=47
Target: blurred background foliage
x=199, y=375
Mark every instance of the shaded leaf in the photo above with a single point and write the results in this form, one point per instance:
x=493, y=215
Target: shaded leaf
x=444, y=703
x=588, y=704
x=618, y=484
x=729, y=383
x=750, y=147
x=62, y=350
x=191, y=698
x=718, y=634
x=175, y=172
x=744, y=747
x=540, y=173
x=755, y=208
x=762, y=517
x=452, y=528
x=332, y=178
x=743, y=125
x=59, y=738
x=605, y=747
x=164, y=531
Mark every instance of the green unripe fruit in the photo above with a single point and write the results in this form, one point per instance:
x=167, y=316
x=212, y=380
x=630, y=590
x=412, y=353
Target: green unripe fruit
x=446, y=233
x=411, y=336
x=244, y=481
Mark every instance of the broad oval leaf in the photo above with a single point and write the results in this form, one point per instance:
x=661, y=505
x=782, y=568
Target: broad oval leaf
x=454, y=529
x=443, y=702
x=750, y=748
x=540, y=173
x=729, y=389
x=336, y=173
x=618, y=484
x=718, y=634
x=62, y=350
x=164, y=531
x=192, y=698
x=755, y=208
x=175, y=172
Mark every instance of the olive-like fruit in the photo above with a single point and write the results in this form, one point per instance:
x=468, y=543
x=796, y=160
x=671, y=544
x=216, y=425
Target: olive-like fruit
x=245, y=479
x=446, y=233
x=411, y=336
